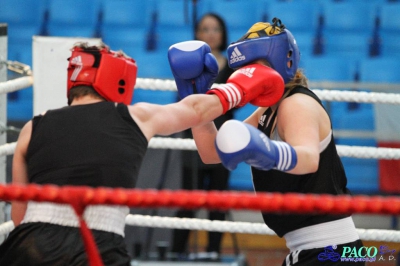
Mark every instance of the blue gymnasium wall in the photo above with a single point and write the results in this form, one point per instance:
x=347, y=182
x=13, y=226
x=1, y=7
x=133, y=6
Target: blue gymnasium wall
x=335, y=39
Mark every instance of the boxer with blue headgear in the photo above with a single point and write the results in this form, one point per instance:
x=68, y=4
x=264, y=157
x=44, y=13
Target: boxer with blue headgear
x=272, y=42
x=290, y=147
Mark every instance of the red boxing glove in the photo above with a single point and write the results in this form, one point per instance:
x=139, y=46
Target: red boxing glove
x=258, y=84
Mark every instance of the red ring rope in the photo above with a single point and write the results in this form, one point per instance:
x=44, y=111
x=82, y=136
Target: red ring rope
x=80, y=197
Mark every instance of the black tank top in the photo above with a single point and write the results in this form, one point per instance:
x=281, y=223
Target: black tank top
x=330, y=178
x=94, y=145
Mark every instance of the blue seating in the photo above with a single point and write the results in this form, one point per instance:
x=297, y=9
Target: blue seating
x=167, y=36
x=126, y=13
x=380, y=69
x=73, y=18
x=298, y=16
x=125, y=24
x=348, y=28
x=302, y=18
x=24, y=19
x=389, y=29
x=239, y=14
x=152, y=64
x=353, y=45
x=174, y=23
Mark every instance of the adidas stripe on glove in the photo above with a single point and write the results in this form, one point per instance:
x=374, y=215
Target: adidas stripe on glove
x=238, y=142
x=258, y=84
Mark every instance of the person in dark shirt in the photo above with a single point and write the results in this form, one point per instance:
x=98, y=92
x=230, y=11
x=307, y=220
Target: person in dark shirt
x=98, y=140
x=212, y=30
x=290, y=148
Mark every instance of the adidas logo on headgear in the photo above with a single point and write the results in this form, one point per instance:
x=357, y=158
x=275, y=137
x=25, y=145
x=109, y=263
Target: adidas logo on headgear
x=236, y=56
x=248, y=71
x=77, y=60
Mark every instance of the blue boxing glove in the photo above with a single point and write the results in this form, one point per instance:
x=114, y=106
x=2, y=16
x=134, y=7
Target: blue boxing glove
x=238, y=142
x=194, y=67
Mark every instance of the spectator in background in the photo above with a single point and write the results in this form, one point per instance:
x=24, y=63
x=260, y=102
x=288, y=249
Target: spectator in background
x=196, y=175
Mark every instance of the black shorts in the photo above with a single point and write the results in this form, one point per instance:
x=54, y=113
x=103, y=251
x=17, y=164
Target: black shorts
x=48, y=245
x=331, y=256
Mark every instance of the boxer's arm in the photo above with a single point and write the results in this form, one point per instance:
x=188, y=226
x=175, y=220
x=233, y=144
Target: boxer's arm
x=168, y=119
x=20, y=171
x=204, y=137
x=303, y=130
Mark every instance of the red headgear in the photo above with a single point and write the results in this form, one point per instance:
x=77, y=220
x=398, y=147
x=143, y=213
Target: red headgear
x=110, y=73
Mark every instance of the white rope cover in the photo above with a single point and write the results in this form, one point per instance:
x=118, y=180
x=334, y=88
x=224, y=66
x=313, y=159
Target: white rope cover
x=16, y=84
x=189, y=144
x=223, y=226
x=324, y=95
x=7, y=149
x=169, y=85
x=358, y=96
x=239, y=227
x=6, y=227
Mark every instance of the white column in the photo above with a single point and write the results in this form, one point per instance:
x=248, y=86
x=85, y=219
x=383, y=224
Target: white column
x=3, y=114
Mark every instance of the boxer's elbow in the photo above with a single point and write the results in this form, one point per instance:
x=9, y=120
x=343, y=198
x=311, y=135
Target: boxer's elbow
x=210, y=159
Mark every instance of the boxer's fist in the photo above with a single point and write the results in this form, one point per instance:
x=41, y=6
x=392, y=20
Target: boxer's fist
x=194, y=67
x=258, y=84
x=238, y=142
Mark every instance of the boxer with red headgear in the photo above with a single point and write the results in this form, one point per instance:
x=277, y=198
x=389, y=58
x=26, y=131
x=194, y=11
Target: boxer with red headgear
x=111, y=74
x=99, y=141
x=289, y=146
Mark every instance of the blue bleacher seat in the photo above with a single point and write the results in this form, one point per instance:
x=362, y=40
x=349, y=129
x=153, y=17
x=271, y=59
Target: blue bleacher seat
x=126, y=13
x=298, y=16
x=125, y=24
x=152, y=64
x=239, y=14
x=389, y=29
x=174, y=13
x=73, y=18
x=167, y=36
x=24, y=19
x=301, y=18
x=348, y=27
x=347, y=44
x=174, y=23
x=127, y=39
x=380, y=69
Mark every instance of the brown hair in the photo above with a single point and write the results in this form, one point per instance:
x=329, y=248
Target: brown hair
x=80, y=91
x=298, y=79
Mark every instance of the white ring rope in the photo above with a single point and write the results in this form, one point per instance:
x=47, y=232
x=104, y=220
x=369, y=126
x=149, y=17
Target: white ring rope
x=325, y=95
x=16, y=84
x=358, y=96
x=169, y=85
x=6, y=227
x=223, y=226
x=189, y=144
x=7, y=149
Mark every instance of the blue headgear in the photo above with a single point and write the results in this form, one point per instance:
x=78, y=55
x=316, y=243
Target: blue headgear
x=273, y=43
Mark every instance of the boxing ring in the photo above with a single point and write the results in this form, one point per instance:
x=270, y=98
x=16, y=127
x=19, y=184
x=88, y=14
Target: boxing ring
x=80, y=197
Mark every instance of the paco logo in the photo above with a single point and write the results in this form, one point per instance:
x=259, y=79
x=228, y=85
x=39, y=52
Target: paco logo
x=356, y=254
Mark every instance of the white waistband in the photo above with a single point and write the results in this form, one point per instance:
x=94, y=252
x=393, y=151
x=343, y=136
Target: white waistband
x=321, y=235
x=99, y=217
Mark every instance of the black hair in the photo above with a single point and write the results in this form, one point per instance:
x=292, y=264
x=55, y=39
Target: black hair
x=221, y=22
